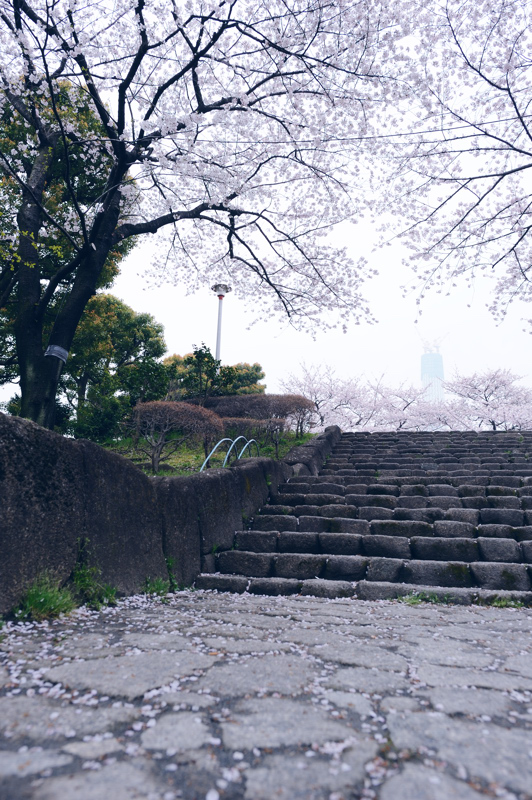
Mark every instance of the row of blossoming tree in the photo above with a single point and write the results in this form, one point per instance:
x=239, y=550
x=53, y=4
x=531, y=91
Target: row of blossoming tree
x=492, y=400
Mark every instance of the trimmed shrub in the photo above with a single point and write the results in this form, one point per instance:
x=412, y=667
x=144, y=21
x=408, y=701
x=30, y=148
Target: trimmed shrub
x=243, y=426
x=165, y=426
x=292, y=407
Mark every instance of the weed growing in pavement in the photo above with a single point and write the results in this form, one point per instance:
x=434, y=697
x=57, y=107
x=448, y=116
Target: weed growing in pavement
x=45, y=599
x=505, y=602
x=416, y=598
x=90, y=590
x=156, y=586
x=173, y=583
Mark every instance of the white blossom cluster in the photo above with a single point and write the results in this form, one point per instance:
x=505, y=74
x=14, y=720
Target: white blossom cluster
x=458, y=143
x=233, y=128
x=491, y=400
x=241, y=132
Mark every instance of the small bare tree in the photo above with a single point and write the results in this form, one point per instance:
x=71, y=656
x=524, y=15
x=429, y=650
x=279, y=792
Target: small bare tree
x=166, y=426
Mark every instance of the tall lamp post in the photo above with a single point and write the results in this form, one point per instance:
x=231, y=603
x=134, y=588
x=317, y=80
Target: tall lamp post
x=221, y=289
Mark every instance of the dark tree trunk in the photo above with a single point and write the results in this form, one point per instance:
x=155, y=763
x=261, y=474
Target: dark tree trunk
x=38, y=390
x=40, y=374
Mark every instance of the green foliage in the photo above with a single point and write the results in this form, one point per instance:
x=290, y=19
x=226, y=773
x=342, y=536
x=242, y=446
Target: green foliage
x=265, y=417
x=505, y=602
x=245, y=379
x=188, y=458
x=45, y=599
x=199, y=375
x=113, y=364
x=288, y=439
x=156, y=586
x=90, y=590
x=172, y=580
x=416, y=598
x=62, y=413
x=55, y=249
x=99, y=418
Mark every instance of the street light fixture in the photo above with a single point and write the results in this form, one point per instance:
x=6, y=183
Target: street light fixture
x=221, y=289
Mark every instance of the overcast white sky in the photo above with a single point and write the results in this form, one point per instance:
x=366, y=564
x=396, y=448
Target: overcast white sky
x=470, y=339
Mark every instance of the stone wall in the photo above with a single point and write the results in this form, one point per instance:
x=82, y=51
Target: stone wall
x=58, y=494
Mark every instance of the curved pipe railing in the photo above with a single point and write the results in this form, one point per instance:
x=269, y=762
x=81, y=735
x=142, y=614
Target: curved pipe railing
x=250, y=442
x=233, y=443
x=213, y=451
x=238, y=438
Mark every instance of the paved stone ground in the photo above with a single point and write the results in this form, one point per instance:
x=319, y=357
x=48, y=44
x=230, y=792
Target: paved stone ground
x=268, y=698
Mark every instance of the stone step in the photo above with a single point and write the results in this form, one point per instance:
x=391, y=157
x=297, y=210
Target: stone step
x=447, y=476
x=401, y=522
x=443, y=545
x=426, y=497
x=275, y=586
x=361, y=590
x=387, y=462
x=392, y=514
x=514, y=517
x=303, y=566
x=523, y=453
x=465, y=485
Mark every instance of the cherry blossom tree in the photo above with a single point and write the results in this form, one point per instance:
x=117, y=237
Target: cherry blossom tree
x=492, y=399
x=320, y=385
x=231, y=126
x=397, y=408
x=356, y=403
x=459, y=149
x=347, y=403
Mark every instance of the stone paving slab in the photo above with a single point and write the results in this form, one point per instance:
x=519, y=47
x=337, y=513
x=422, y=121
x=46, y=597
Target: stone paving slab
x=245, y=697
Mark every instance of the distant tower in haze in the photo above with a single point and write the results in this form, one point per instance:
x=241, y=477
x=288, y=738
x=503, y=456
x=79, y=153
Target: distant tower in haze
x=432, y=373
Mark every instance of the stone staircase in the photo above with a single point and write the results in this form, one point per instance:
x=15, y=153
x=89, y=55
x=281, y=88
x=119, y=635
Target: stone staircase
x=442, y=514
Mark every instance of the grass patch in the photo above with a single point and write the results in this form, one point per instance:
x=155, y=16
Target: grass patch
x=158, y=587
x=88, y=587
x=416, y=598
x=504, y=602
x=45, y=599
x=90, y=590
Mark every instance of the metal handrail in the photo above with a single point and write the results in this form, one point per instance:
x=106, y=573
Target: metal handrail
x=229, y=451
x=233, y=443
x=213, y=451
x=248, y=444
